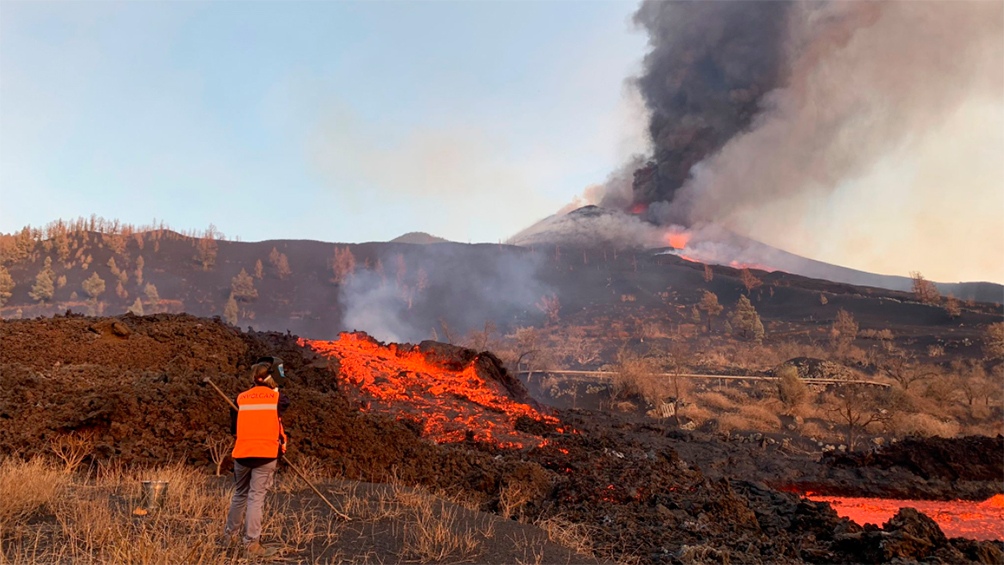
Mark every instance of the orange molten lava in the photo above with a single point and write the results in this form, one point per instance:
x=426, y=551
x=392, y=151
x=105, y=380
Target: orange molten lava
x=677, y=240
x=957, y=518
x=451, y=405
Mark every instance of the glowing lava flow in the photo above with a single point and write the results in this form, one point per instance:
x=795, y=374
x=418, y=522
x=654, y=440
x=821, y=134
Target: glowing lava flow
x=956, y=518
x=450, y=405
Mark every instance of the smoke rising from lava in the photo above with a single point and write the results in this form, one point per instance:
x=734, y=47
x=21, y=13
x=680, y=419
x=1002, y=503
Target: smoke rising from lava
x=425, y=291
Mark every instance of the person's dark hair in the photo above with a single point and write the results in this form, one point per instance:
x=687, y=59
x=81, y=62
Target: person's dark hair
x=268, y=371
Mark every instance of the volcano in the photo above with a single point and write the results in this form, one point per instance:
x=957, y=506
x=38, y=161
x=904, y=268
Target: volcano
x=594, y=226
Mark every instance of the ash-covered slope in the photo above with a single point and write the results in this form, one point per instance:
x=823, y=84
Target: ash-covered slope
x=592, y=226
x=409, y=293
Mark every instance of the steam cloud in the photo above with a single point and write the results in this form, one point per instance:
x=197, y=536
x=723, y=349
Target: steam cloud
x=442, y=287
x=758, y=102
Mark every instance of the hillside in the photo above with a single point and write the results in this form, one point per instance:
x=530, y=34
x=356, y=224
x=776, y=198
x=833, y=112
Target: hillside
x=412, y=292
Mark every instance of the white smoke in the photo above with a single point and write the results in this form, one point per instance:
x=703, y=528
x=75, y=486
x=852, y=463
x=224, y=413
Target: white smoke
x=427, y=290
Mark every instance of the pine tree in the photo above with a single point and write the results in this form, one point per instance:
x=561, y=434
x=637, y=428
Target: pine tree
x=151, y=293
x=280, y=262
x=746, y=321
x=62, y=245
x=258, y=269
x=993, y=345
x=206, y=248
x=44, y=286
x=242, y=287
x=952, y=307
x=422, y=280
x=230, y=311
x=924, y=290
x=137, y=307
x=282, y=266
x=94, y=286
x=343, y=264
x=749, y=280
x=139, y=269
x=6, y=285
x=709, y=303
x=844, y=330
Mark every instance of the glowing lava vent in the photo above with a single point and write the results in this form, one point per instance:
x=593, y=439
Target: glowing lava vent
x=452, y=393
x=677, y=239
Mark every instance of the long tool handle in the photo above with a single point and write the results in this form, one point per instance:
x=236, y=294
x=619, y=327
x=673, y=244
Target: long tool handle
x=223, y=394
x=300, y=474
x=295, y=469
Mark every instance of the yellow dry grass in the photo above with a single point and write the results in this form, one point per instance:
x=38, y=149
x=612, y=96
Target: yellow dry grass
x=48, y=516
x=59, y=518
x=572, y=535
x=715, y=401
x=25, y=488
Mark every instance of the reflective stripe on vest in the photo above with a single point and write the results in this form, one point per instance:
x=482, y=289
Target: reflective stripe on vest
x=260, y=407
x=258, y=425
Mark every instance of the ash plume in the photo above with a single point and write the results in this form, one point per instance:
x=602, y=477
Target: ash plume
x=755, y=102
x=710, y=66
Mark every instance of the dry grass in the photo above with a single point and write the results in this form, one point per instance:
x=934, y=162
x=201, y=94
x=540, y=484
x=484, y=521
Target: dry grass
x=576, y=537
x=715, y=401
x=49, y=517
x=694, y=413
x=923, y=425
x=26, y=488
x=513, y=496
x=702, y=554
x=818, y=432
x=92, y=521
x=434, y=532
x=431, y=526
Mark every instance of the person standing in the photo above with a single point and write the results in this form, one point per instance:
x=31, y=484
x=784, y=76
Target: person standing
x=261, y=441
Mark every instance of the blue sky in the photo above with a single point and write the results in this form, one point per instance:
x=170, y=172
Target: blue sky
x=336, y=121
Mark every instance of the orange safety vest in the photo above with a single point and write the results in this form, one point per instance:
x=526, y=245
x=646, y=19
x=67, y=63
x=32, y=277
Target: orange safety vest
x=258, y=426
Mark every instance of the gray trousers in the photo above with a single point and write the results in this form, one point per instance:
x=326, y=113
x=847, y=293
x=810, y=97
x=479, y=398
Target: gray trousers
x=251, y=486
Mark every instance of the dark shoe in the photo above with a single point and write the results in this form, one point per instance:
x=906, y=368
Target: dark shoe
x=255, y=549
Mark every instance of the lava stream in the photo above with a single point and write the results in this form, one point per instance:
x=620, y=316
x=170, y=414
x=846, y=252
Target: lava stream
x=450, y=405
x=957, y=518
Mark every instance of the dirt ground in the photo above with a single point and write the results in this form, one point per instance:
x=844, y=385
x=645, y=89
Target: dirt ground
x=132, y=387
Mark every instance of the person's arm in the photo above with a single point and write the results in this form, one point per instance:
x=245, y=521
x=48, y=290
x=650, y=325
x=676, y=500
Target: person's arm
x=283, y=437
x=283, y=403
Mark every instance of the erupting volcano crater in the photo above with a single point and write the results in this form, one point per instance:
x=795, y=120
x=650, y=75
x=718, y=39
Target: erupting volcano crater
x=450, y=394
